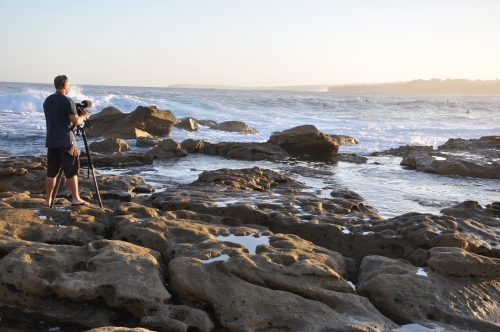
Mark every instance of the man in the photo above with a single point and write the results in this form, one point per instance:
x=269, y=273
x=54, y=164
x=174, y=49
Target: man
x=62, y=151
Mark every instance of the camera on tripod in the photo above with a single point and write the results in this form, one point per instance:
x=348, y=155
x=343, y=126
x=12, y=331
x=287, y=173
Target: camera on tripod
x=80, y=107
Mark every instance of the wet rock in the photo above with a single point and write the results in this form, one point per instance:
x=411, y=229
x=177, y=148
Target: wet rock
x=305, y=141
x=109, y=145
x=403, y=150
x=474, y=157
x=191, y=145
x=116, y=159
x=425, y=297
x=256, y=178
x=168, y=148
x=473, y=210
x=245, y=150
x=188, y=124
x=146, y=141
x=348, y=157
x=206, y=122
x=149, y=120
x=234, y=126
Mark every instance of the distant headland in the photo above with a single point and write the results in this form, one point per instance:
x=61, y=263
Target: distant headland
x=432, y=86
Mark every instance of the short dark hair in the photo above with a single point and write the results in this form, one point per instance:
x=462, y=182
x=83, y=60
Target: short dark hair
x=60, y=81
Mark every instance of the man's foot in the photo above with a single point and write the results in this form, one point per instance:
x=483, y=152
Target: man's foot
x=79, y=203
x=47, y=205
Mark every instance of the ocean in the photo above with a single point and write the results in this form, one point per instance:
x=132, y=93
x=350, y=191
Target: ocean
x=378, y=121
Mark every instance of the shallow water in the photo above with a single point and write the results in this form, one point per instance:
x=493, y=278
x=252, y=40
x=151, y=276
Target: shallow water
x=383, y=183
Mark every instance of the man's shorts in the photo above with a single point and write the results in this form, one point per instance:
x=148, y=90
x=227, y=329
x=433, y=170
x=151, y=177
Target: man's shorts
x=67, y=157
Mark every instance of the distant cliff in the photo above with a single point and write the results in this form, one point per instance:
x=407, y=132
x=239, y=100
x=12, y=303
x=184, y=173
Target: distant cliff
x=433, y=86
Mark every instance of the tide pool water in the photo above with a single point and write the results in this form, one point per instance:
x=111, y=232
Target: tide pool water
x=378, y=121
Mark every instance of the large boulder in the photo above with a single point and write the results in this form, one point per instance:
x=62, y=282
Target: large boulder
x=235, y=126
x=110, y=144
x=245, y=150
x=305, y=141
x=142, y=122
x=188, y=124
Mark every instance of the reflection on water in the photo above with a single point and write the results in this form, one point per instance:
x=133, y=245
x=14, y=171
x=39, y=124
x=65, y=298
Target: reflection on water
x=249, y=241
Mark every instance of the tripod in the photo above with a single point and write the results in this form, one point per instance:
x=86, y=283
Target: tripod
x=79, y=130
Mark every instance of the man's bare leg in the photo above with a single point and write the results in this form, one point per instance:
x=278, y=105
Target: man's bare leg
x=73, y=186
x=50, y=184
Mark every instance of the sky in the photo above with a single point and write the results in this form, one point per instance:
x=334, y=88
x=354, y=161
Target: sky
x=248, y=43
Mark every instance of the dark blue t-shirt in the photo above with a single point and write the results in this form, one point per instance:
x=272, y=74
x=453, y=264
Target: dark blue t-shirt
x=57, y=108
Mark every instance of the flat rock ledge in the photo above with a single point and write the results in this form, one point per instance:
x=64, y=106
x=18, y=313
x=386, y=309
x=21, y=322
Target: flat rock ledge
x=240, y=250
x=478, y=158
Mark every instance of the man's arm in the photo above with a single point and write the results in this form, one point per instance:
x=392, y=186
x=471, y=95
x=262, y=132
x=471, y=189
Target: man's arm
x=76, y=119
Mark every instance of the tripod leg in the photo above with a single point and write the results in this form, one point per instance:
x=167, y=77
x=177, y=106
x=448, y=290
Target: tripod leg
x=91, y=167
x=58, y=182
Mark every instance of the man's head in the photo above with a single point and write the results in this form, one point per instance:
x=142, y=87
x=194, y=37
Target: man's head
x=61, y=84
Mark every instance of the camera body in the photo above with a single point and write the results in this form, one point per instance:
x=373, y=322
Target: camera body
x=80, y=107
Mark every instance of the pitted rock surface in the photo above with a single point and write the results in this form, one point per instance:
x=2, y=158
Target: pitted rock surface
x=124, y=275
x=426, y=297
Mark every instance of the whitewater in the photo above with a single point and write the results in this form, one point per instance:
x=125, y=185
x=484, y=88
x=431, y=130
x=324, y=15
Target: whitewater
x=378, y=121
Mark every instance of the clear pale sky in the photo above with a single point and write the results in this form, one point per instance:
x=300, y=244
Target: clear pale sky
x=248, y=43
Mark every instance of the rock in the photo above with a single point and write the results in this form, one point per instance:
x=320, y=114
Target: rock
x=245, y=150
x=403, y=150
x=206, y=123
x=446, y=164
x=234, y=126
x=145, y=142
x=344, y=139
x=122, y=274
x=425, y=297
x=143, y=121
x=117, y=159
x=347, y=194
x=348, y=158
x=473, y=210
x=188, y=124
x=109, y=145
x=168, y=148
x=256, y=178
x=191, y=145
x=460, y=263
x=243, y=306
x=474, y=157
x=305, y=141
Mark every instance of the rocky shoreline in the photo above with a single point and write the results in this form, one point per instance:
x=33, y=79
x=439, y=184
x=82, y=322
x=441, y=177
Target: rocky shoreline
x=174, y=260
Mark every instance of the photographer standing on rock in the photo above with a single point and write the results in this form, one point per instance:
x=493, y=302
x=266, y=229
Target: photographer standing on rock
x=61, y=117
